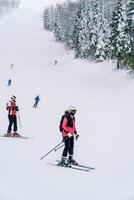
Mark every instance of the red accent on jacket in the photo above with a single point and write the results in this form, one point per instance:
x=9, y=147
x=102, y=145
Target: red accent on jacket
x=66, y=128
x=11, y=106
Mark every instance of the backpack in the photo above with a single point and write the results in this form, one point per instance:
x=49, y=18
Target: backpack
x=61, y=121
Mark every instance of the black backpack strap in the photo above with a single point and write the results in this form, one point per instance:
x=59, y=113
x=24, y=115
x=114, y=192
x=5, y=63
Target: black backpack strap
x=61, y=122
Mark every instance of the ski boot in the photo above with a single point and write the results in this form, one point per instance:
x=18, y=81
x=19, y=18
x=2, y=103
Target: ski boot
x=63, y=162
x=71, y=161
x=15, y=134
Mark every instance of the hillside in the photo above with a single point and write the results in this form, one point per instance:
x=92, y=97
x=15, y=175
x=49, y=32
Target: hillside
x=104, y=101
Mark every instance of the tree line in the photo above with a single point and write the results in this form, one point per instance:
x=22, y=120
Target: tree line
x=95, y=29
x=5, y=5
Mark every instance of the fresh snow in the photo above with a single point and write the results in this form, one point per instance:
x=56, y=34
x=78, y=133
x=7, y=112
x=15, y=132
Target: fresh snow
x=104, y=99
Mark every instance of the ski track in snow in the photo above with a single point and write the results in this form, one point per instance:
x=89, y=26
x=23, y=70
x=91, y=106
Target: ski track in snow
x=104, y=100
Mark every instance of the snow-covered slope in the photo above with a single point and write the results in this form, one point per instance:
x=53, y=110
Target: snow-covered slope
x=104, y=101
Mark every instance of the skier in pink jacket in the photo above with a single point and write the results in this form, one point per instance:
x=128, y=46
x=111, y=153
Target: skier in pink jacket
x=12, y=112
x=69, y=132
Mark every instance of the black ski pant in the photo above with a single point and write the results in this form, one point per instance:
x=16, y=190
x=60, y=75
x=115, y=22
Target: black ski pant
x=69, y=146
x=35, y=104
x=12, y=122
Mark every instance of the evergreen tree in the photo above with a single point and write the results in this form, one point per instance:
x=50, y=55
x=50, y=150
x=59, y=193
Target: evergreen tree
x=47, y=19
x=117, y=35
x=73, y=7
x=87, y=45
x=75, y=35
x=67, y=23
x=102, y=51
x=95, y=27
x=57, y=27
x=130, y=33
x=83, y=28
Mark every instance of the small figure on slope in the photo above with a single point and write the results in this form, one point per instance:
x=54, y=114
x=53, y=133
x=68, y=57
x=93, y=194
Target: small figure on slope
x=37, y=99
x=9, y=82
x=68, y=129
x=11, y=66
x=12, y=112
x=55, y=62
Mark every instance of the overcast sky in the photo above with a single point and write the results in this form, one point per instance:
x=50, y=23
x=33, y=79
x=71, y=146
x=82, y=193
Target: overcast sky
x=38, y=4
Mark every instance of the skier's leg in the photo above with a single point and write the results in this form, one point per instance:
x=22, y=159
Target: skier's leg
x=35, y=104
x=65, y=151
x=15, y=124
x=71, y=151
x=10, y=118
x=71, y=146
x=66, y=148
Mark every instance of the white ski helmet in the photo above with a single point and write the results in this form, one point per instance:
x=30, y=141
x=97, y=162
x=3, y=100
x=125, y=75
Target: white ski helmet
x=71, y=109
x=13, y=97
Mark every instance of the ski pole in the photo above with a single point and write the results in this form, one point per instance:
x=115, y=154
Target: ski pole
x=64, y=144
x=19, y=120
x=59, y=147
x=51, y=150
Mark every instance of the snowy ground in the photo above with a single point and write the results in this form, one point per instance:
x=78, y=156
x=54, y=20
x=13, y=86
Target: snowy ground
x=103, y=97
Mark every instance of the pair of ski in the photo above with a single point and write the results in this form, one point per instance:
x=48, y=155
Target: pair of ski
x=17, y=137
x=75, y=167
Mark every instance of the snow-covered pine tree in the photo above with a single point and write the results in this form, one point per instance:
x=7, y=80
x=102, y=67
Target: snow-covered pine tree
x=86, y=29
x=75, y=35
x=57, y=25
x=87, y=46
x=83, y=33
x=73, y=7
x=130, y=34
x=5, y=5
x=102, y=50
x=64, y=21
x=95, y=27
x=67, y=15
x=117, y=34
x=47, y=19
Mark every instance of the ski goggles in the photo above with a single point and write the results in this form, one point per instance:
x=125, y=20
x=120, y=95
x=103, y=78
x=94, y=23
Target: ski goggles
x=73, y=111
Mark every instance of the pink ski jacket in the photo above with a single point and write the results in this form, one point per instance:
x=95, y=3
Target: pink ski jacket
x=12, y=108
x=68, y=126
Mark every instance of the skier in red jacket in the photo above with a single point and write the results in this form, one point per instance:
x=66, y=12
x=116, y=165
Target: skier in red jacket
x=12, y=111
x=69, y=132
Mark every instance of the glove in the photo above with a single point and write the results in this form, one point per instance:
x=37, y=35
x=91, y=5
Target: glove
x=76, y=136
x=69, y=135
x=17, y=109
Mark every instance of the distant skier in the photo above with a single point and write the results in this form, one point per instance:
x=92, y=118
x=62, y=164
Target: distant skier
x=12, y=112
x=68, y=129
x=9, y=82
x=11, y=66
x=55, y=62
x=37, y=99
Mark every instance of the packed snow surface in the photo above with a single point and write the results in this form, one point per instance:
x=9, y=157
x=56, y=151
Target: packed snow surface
x=104, y=99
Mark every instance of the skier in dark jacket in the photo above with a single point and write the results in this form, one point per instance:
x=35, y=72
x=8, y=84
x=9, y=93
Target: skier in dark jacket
x=55, y=62
x=37, y=99
x=69, y=132
x=12, y=112
x=9, y=82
